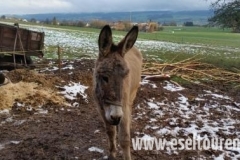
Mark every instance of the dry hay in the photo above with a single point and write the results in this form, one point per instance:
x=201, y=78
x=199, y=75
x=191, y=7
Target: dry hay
x=31, y=89
x=28, y=93
x=192, y=70
x=32, y=76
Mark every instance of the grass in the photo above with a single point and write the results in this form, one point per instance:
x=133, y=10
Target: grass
x=196, y=35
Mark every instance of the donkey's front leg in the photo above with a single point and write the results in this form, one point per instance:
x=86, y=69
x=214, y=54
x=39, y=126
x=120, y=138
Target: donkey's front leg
x=124, y=135
x=111, y=132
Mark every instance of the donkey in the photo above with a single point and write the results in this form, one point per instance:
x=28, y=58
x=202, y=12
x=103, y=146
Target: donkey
x=117, y=75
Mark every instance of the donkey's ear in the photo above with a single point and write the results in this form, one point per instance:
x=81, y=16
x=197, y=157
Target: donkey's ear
x=127, y=43
x=105, y=40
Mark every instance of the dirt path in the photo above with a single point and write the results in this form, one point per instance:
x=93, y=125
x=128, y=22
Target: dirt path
x=53, y=119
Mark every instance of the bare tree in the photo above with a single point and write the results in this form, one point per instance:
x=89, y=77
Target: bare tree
x=226, y=14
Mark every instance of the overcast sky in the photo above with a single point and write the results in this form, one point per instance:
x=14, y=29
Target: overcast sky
x=73, y=6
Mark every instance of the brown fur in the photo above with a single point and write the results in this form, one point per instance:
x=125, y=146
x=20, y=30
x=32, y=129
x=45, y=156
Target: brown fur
x=117, y=76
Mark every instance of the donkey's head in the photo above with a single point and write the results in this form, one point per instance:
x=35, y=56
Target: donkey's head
x=110, y=71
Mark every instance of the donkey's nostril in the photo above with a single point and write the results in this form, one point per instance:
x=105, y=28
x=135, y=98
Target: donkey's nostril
x=115, y=120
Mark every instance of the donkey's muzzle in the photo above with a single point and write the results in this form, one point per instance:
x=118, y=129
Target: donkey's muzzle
x=116, y=114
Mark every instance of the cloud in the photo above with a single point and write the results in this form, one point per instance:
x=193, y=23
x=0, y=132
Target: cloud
x=66, y=6
x=34, y=6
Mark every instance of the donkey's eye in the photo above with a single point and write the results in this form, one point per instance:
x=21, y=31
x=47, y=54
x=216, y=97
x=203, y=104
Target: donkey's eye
x=105, y=79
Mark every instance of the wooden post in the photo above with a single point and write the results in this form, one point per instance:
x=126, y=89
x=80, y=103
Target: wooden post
x=21, y=45
x=14, y=48
x=59, y=59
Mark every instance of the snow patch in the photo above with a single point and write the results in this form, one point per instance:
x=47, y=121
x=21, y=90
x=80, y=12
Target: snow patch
x=172, y=87
x=71, y=90
x=95, y=149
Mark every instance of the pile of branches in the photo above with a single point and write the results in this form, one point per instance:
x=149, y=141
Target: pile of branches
x=191, y=70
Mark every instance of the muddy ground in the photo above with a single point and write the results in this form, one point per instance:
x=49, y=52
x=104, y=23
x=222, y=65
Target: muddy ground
x=45, y=125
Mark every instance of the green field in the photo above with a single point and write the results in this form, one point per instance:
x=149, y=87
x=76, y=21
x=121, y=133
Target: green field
x=190, y=35
x=210, y=36
x=196, y=35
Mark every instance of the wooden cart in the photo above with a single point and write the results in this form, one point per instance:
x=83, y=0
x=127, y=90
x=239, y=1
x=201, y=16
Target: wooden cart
x=17, y=45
